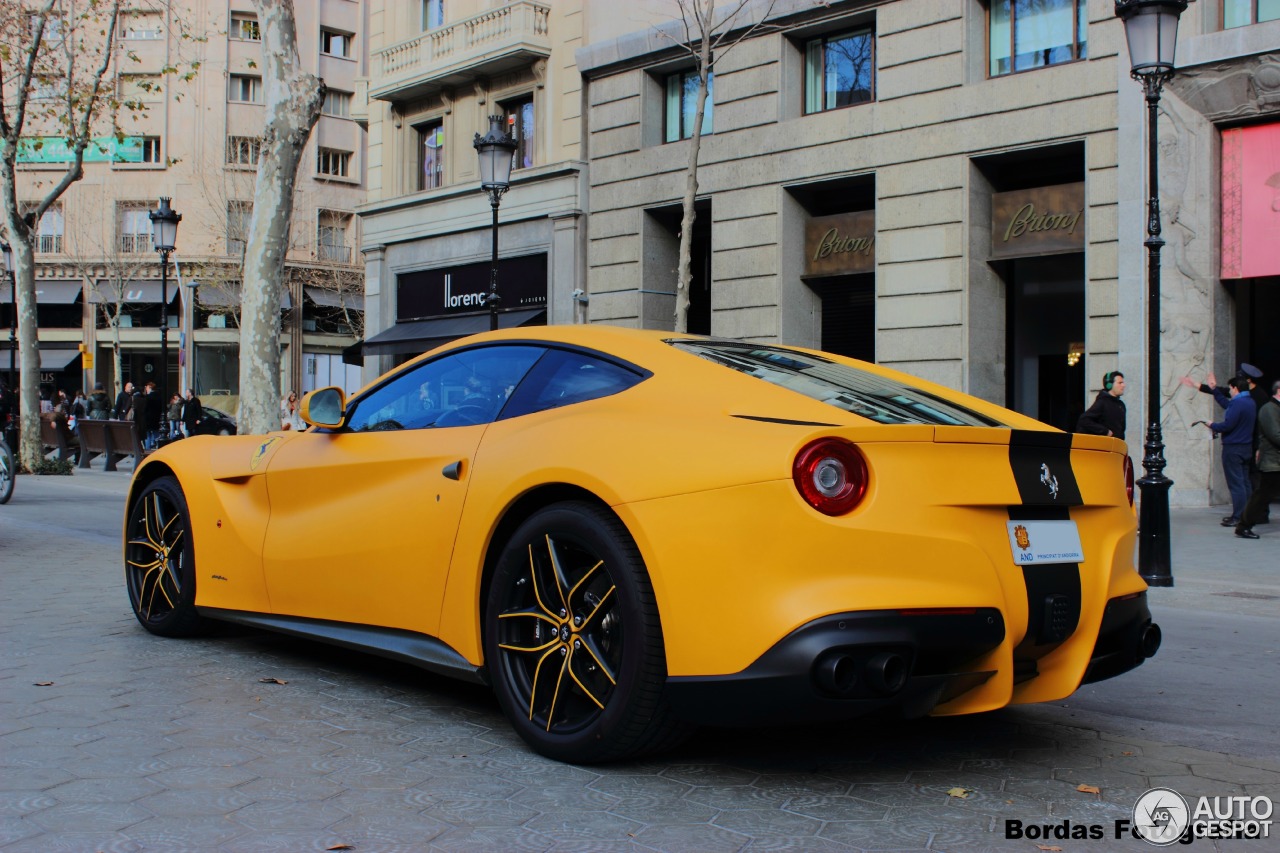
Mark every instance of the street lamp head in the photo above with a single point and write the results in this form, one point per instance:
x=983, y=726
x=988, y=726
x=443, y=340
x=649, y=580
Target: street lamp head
x=496, y=150
x=1151, y=28
x=164, y=226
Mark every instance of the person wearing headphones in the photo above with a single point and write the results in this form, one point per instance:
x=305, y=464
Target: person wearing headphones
x=1107, y=415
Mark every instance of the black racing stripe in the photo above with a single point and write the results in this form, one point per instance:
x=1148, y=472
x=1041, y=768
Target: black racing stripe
x=1041, y=463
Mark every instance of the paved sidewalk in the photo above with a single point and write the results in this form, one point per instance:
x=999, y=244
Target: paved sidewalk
x=114, y=740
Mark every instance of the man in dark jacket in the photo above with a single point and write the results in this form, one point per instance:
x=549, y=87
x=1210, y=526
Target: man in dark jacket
x=1236, y=429
x=99, y=404
x=138, y=409
x=192, y=413
x=1268, y=465
x=1107, y=415
x=155, y=414
x=124, y=402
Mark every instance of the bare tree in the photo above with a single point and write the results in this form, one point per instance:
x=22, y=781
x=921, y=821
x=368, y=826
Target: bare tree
x=708, y=35
x=292, y=106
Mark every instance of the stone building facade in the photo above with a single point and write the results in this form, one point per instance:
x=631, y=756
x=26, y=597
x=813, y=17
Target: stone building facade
x=197, y=142
x=940, y=187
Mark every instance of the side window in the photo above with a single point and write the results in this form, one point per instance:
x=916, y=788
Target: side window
x=459, y=389
x=564, y=377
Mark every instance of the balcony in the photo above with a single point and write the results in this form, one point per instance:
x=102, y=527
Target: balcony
x=494, y=42
x=135, y=244
x=48, y=244
x=332, y=252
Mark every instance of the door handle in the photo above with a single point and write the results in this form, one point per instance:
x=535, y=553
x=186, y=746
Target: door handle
x=453, y=470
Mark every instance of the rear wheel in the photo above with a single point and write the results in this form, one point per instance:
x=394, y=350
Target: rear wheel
x=159, y=561
x=573, y=639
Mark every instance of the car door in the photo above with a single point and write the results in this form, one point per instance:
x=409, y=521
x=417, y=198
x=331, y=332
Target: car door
x=363, y=519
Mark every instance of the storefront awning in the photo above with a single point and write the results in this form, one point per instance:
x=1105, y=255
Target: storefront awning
x=421, y=335
x=228, y=295
x=135, y=292
x=49, y=293
x=326, y=298
x=54, y=360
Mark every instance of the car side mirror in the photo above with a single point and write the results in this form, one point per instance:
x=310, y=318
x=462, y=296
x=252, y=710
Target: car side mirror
x=324, y=407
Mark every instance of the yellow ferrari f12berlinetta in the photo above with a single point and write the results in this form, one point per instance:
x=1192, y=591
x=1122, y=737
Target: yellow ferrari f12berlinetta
x=626, y=533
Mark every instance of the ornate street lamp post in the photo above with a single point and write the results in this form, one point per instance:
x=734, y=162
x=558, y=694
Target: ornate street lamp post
x=164, y=235
x=13, y=314
x=496, y=150
x=1151, y=28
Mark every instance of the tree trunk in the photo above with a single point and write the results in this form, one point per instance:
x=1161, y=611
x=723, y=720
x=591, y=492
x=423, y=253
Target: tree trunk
x=292, y=105
x=688, y=214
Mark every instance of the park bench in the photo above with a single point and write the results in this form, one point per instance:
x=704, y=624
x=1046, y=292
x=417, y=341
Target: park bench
x=96, y=440
x=55, y=436
x=124, y=439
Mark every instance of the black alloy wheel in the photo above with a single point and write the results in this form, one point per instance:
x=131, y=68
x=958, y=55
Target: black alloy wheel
x=159, y=561
x=573, y=640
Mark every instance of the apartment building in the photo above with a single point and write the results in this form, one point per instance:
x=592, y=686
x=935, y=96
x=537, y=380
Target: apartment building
x=197, y=141
x=956, y=189
x=437, y=71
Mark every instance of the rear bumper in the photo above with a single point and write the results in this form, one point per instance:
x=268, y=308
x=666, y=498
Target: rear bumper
x=848, y=665
x=903, y=662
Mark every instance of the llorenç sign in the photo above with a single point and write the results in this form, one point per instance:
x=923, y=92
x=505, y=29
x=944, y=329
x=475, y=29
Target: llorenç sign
x=1038, y=221
x=843, y=244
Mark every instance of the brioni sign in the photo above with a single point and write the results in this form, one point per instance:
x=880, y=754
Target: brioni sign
x=1039, y=221
x=840, y=244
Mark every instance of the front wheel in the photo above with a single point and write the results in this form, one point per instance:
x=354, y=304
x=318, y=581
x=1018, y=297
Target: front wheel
x=159, y=561
x=8, y=468
x=573, y=639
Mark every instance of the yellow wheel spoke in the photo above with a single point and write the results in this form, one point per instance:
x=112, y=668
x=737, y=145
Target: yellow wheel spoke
x=537, y=672
x=555, y=697
x=152, y=565
x=581, y=686
x=531, y=615
x=591, y=571
x=591, y=615
x=608, y=673
x=537, y=593
x=561, y=580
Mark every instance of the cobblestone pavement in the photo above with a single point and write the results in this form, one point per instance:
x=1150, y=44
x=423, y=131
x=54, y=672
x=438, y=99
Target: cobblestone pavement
x=114, y=740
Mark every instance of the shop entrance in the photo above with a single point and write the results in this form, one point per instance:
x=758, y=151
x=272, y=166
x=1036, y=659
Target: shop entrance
x=1044, y=336
x=848, y=315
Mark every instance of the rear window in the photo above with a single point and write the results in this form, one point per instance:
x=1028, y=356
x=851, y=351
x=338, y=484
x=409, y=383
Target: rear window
x=865, y=394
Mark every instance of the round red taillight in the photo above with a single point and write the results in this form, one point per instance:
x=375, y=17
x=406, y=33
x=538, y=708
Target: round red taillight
x=1128, y=478
x=831, y=475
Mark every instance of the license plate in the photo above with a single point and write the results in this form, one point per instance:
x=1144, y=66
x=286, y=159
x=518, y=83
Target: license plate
x=1045, y=542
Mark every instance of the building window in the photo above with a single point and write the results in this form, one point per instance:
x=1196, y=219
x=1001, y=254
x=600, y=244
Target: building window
x=520, y=125
x=140, y=88
x=245, y=28
x=140, y=26
x=331, y=237
x=1026, y=34
x=48, y=236
x=334, y=43
x=245, y=89
x=330, y=161
x=238, y=215
x=431, y=155
x=336, y=103
x=839, y=71
x=432, y=14
x=1241, y=13
x=243, y=151
x=134, y=228
x=682, y=105
x=151, y=149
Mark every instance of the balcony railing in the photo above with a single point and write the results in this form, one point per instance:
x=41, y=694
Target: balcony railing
x=131, y=244
x=48, y=244
x=486, y=44
x=340, y=254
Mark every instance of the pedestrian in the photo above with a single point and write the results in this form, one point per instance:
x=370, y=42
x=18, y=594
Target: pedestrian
x=99, y=404
x=174, y=421
x=77, y=411
x=290, y=414
x=138, y=412
x=124, y=402
x=155, y=414
x=192, y=413
x=1252, y=376
x=1268, y=465
x=1236, y=429
x=1107, y=415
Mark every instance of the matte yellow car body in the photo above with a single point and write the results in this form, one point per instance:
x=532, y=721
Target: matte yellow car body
x=365, y=527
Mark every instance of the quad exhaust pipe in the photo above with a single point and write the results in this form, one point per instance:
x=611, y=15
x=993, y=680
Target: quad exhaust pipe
x=1149, y=641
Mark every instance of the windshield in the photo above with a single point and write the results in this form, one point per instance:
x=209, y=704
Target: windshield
x=866, y=394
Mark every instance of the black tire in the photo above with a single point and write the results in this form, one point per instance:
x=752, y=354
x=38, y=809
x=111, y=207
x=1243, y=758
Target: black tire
x=582, y=676
x=8, y=470
x=159, y=565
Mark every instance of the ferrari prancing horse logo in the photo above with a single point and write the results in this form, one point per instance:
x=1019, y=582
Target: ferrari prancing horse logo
x=261, y=452
x=1049, y=480
x=1023, y=539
